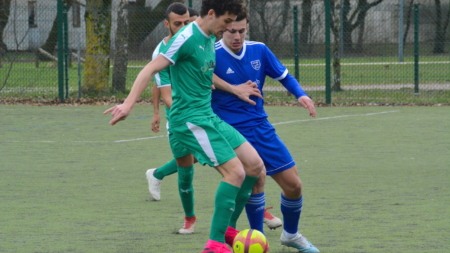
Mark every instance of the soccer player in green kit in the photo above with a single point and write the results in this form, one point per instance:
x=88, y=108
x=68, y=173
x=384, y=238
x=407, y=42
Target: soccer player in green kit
x=191, y=56
x=177, y=16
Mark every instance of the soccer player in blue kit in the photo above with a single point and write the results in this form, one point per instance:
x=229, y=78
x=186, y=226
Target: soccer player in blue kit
x=237, y=61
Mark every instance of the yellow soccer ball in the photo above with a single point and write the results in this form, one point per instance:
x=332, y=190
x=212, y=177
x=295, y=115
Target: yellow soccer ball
x=250, y=241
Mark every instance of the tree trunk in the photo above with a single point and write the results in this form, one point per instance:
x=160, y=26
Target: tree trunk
x=408, y=20
x=347, y=27
x=143, y=20
x=336, y=48
x=439, y=39
x=52, y=39
x=258, y=23
x=4, y=15
x=306, y=27
x=121, y=43
x=98, y=29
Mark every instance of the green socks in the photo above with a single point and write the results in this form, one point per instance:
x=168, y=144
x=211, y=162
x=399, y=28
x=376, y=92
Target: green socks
x=224, y=205
x=242, y=198
x=167, y=169
x=186, y=190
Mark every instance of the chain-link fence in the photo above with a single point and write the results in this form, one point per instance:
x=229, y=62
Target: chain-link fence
x=380, y=51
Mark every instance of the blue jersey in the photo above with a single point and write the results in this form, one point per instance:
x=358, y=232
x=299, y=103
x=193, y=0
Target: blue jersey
x=254, y=62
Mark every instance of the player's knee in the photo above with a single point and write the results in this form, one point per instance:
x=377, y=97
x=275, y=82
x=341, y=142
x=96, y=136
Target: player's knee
x=294, y=189
x=255, y=167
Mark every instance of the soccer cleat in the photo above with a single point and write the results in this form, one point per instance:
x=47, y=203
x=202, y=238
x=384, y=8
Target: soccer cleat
x=300, y=243
x=216, y=247
x=189, y=225
x=154, y=185
x=230, y=234
x=271, y=221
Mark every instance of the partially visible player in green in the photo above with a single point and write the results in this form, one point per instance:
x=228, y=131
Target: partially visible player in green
x=177, y=16
x=191, y=56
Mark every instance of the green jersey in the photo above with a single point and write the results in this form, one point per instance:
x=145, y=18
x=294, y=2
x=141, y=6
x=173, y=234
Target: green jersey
x=193, y=58
x=162, y=78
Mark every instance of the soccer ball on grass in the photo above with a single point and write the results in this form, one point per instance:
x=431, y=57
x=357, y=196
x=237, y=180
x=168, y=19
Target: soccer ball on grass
x=250, y=241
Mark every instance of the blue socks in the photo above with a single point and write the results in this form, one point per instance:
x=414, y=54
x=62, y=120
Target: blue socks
x=255, y=211
x=291, y=210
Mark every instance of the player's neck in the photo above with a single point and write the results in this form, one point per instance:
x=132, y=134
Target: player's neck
x=204, y=25
x=166, y=39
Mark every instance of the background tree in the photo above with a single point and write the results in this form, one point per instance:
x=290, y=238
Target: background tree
x=98, y=41
x=143, y=20
x=335, y=28
x=305, y=31
x=52, y=39
x=355, y=19
x=121, y=44
x=441, y=28
x=268, y=26
x=4, y=16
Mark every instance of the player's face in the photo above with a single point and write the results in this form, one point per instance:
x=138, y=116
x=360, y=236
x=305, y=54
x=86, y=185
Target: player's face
x=176, y=22
x=234, y=37
x=222, y=23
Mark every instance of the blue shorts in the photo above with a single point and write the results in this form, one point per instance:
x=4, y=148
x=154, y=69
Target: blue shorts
x=271, y=149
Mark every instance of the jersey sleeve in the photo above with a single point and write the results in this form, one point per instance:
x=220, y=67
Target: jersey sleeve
x=273, y=68
x=178, y=47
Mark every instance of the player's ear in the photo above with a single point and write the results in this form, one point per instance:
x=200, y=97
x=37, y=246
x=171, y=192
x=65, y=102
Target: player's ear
x=166, y=23
x=211, y=13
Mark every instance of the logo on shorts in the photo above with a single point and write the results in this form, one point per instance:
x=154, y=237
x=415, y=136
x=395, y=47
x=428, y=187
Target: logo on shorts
x=256, y=64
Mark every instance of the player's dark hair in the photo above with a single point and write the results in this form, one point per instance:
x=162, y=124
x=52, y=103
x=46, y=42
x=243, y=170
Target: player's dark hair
x=192, y=12
x=177, y=8
x=221, y=7
x=243, y=14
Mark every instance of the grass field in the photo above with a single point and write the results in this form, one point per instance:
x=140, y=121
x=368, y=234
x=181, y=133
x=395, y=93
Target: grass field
x=376, y=179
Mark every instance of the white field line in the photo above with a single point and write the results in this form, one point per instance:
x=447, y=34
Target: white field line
x=334, y=117
x=161, y=136
x=140, y=139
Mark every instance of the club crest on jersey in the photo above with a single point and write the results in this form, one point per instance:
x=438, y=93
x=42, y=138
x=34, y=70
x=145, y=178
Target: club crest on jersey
x=256, y=64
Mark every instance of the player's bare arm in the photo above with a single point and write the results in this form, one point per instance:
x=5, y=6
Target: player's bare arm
x=120, y=112
x=156, y=118
x=242, y=91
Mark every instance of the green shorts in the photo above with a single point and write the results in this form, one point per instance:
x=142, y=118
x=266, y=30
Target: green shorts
x=209, y=139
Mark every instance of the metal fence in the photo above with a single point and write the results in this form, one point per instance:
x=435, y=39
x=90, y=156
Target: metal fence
x=380, y=52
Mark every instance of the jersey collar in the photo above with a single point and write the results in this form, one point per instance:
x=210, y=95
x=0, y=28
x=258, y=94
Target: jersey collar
x=242, y=52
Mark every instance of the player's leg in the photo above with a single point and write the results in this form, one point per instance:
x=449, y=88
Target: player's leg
x=155, y=176
x=185, y=168
x=209, y=146
x=291, y=207
x=186, y=192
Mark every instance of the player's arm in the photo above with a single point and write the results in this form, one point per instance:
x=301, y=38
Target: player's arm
x=156, y=118
x=120, y=112
x=242, y=91
x=294, y=87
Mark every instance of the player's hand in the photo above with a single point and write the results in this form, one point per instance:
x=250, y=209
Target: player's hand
x=118, y=112
x=245, y=90
x=307, y=103
x=155, y=123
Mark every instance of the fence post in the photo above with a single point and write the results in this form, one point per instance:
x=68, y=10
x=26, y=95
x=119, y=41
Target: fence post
x=66, y=49
x=296, y=50
x=60, y=50
x=190, y=4
x=327, y=51
x=416, y=49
